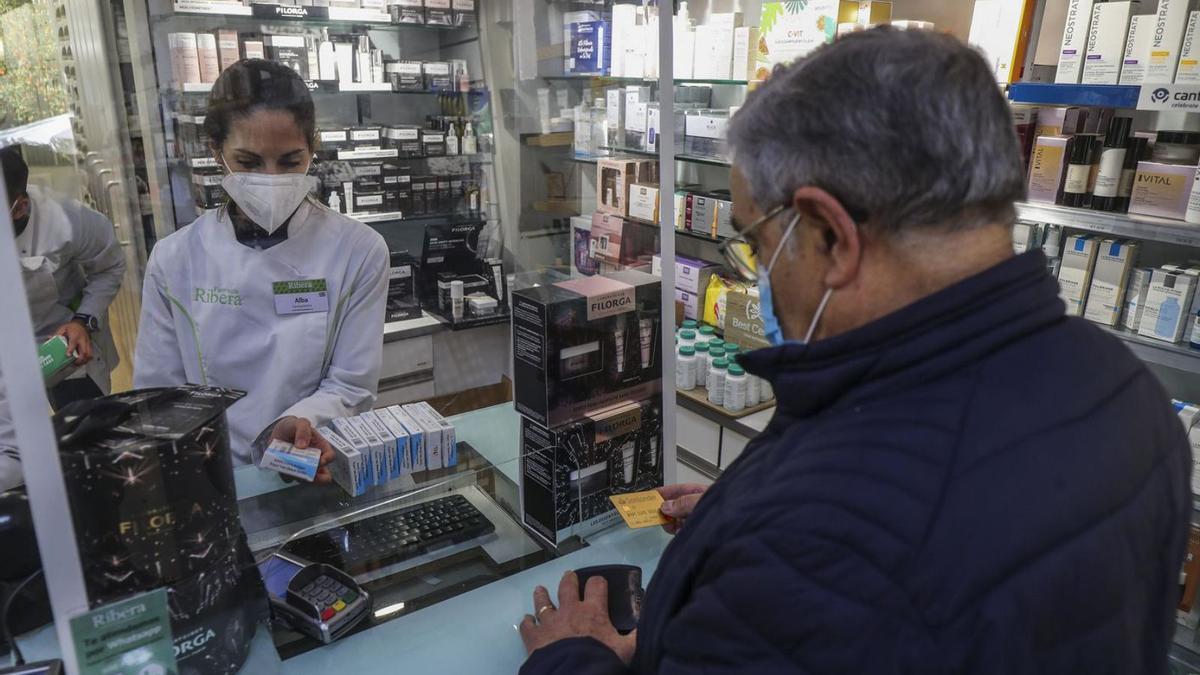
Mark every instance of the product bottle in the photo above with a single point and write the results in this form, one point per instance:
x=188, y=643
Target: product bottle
x=753, y=391
x=766, y=393
x=1052, y=247
x=735, y=389
x=456, y=299
x=1194, y=338
x=335, y=202
x=716, y=381
x=1079, y=171
x=685, y=369
x=687, y=338
x=452, y=142
x=706, y=334
x=732, y=349
x=688, y=324
x=326, y=58
x=716, y=343
x=702, y=364
x=714, y=353
x=1106, y=196
x=1133, y=155
x=470, y=145
x=1192, y=215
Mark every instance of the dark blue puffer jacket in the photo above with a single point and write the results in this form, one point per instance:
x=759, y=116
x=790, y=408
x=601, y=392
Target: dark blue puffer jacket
x=973, y=484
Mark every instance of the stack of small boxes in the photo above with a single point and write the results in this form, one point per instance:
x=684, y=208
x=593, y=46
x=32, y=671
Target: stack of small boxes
x=383, y=445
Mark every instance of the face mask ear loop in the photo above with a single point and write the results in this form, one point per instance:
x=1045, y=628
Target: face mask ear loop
x=782, y=241
x=812, y=327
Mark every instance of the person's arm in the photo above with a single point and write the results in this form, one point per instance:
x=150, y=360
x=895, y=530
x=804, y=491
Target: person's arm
x=771, y=600
x=157, y=360
x=10, y=459
x=356, y=354
x=96, y=250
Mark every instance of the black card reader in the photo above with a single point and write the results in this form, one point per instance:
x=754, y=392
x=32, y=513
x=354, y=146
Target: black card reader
x=315, y=599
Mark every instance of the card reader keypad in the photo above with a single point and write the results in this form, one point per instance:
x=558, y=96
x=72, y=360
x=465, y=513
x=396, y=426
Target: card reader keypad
x=328, y=595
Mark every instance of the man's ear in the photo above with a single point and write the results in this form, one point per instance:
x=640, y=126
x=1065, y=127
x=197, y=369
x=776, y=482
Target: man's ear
x=837, y=234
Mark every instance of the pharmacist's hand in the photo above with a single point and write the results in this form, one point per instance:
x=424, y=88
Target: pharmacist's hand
x=79, y=342
x=574, y=618
x=681, y=499
x=300, y=432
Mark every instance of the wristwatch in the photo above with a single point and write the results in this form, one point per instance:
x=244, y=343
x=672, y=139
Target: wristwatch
x=91, y=323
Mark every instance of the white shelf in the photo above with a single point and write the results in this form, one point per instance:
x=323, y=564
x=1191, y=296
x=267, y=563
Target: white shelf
x=376, y=217
x=358, y=14
x=212, y=7
x=1120, y=224
x=1171, y=355
x=382, y=153
x=364, y=86
x=216, y=7
x=189, y=119
x=197, y=87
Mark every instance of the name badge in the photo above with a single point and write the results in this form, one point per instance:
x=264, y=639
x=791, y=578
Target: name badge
x=300, y=297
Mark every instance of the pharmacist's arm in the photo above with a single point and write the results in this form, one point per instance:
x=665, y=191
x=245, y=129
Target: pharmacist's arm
x=10, y=460
x=157, y=359
x=96, y=250
x=770, y=601
x=356, y=350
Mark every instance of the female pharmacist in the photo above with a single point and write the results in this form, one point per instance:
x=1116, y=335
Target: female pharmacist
x=273, y=293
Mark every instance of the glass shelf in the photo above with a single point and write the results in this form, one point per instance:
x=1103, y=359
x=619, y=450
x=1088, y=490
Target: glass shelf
x=1167, y=354
x=1120, y=224
x=268, y=12
x=641, y=80
x=694, y=159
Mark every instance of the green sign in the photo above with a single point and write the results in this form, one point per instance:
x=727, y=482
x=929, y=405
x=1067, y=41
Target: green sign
x=130, y=637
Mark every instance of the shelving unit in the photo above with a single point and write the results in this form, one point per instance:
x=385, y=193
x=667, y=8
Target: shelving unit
x=1120, y=224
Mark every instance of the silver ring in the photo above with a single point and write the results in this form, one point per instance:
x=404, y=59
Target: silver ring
x=539, y=612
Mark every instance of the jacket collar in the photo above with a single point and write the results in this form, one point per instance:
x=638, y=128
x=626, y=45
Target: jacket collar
x=936, y=335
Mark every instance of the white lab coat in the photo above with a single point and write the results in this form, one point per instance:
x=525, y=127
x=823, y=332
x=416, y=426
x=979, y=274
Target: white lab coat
x=88, y=263
x=209, y=317
x=10, y=459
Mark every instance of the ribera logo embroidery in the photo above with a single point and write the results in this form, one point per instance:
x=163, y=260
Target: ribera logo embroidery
x=217, y=296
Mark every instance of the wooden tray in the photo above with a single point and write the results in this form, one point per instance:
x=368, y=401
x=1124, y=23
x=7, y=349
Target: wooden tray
x=700, y=395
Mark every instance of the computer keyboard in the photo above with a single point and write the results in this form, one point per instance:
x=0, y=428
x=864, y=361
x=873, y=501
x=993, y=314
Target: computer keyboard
x=395, y=536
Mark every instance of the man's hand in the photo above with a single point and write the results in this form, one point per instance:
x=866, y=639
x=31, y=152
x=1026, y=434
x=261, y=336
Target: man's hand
x=574, y=618
x=300, y=432
x=681, y=499
x=79, y=342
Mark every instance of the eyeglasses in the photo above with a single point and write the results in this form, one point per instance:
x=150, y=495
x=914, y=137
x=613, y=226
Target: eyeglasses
x=740, y=254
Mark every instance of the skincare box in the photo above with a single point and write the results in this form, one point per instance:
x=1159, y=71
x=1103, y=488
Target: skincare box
x=583, y=258
x=791, y=30
x=449, y=435
x=380, y=461
x=432, y=432
x=1135, y=298
x=406, y=141
x=185, y=59
x=253, y=49
x=643, y=202
x=347, y=429
x=290, y=50
x=402, y=435
x=583, y=344
x=1166, y=39
x=745, y=49
x=333, y=140
x=437, y=13
x=1161, y=189
x=1025, y=120
x=405, y=75
x=407, y=11
x=1167, y=305
x=285, y=458
x=464, y=12
x=590, y=45
x=613, y=178
x=437, y=76
x=692, y=275
x=568, y=472
x=1075, y=36
x=1106, y=42
x=1075, y=274
x=349, y=467
x=402, y=300
x=618, y=241
x=1026, y=237
x=714, y=47
x=227, y=48
x=1188, y=71
x=416, y=437
x=1114, y=263
x=1137, y=49
x=209, y=62
x=704, y=133
x=433, y=143
x=691, y=303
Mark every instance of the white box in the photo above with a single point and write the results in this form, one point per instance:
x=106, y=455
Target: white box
x=209, y=61
x=349, y=431
x=416, y=437
x=691, y=304
x=1189, y=415
x=1075, y=274
x=684, y=51
x=189, y=58
x=403, y=439
x=449, y=435
x=1106, y=42
x=390, y=449
x=1167, y=302
x=643, y=202
x=714, y=47
x=433, y=436
x=1137, y=49
x=379, y=457
x=1074, y=42
x=1188, y=71
x=1135, y=297
x=745, y=48
x=349, y=467
x=1114, y=263
x=1165, y=40
x=1026, y=237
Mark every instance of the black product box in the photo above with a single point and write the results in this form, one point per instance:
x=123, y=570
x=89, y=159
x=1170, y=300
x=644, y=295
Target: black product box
x=333, y=140
x=368, y=176
x=437, y=75
x=585, y=344
x=437, y=13
x=569, y=472
x=366, y=138
x=391, y=199
x=405, y=140
x=405, y=75
x=207, y=189
x=417, y=199
x=368, y=202
x=464, y=12
x=433, y=143
x=451, y=249
x=402, y=302
x=407, y=11
x=290, y=50
x=433, y=202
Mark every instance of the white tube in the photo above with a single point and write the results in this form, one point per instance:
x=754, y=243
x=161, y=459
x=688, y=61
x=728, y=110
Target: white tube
x=456, y=299
x=646, y=336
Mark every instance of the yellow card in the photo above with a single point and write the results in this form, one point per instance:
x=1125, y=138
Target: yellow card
x=640, y=509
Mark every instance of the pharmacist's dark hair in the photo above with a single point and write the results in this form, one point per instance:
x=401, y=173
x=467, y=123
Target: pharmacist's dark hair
x=905, y=128
x=251, y=85
x=16, y=172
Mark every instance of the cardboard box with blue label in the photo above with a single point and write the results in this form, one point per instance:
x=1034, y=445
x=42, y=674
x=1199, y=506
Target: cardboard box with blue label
x=569, y=472
x=586, y=344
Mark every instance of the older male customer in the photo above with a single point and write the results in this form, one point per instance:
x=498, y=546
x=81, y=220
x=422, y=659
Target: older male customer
x=958, y=477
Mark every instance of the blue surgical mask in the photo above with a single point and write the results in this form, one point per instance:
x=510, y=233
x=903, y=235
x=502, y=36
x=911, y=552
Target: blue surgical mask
x=771, y=328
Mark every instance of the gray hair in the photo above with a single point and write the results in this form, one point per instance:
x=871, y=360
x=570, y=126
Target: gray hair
x=905, y=128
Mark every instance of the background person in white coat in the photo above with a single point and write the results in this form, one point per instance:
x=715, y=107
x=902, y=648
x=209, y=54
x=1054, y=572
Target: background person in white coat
x=73, y=267
x=273, y=293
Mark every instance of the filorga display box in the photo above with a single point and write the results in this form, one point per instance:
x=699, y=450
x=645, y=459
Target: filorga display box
x=585, y=344
x=569, y=472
